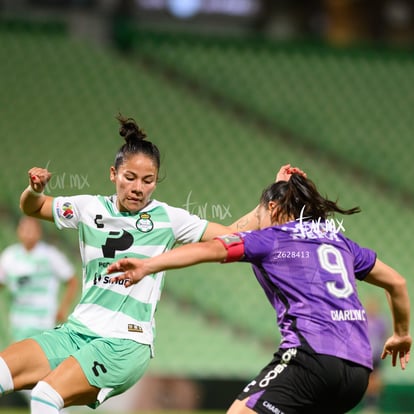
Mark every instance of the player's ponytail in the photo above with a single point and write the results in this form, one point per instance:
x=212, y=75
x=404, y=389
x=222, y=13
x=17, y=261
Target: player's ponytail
x=299, y=197
x=135, y=142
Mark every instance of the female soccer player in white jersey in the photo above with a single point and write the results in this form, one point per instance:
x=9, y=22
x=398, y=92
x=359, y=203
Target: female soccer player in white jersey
x=308, y=270
x=106, y=344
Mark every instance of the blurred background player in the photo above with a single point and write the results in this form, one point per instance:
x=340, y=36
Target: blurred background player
x=33, y=271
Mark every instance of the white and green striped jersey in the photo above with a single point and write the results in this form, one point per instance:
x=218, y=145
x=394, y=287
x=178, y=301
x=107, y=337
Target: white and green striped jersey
x=106, y=235
x=33, y=278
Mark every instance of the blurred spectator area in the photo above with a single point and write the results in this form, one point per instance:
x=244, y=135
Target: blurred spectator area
x=340, y=22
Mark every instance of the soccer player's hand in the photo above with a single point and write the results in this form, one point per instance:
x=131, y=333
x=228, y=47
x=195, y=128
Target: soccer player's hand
x=131, y=271
x=286, y=172
x=398, y=347
x=38, y=178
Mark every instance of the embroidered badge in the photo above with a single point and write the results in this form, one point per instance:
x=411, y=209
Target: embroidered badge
x=67, y=210
x=144, y=223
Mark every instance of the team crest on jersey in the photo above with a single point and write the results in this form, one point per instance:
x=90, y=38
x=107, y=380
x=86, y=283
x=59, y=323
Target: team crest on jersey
x=144, y=223
x=67, y=210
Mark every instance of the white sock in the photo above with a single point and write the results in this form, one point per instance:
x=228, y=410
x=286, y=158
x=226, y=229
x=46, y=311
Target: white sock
x=45, y=400
x=6, y=380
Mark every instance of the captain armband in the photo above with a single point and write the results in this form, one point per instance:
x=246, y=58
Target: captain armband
x=234, y=245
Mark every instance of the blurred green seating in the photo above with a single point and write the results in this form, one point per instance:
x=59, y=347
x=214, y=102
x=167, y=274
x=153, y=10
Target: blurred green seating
x=353, y=105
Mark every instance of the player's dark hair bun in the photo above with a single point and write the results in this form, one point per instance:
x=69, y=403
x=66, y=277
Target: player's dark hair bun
x=135, y=142
x=129, y=129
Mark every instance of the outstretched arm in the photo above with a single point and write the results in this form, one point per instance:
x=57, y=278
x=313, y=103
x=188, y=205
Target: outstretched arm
x=399, y=344
x=133, y=270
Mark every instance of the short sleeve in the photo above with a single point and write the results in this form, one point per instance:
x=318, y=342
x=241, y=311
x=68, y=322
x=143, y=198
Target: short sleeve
x=187, y=228
x=66, y=210
x=364, y=259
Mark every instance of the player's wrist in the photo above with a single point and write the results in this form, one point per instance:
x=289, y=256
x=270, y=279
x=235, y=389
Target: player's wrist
x=34, y=192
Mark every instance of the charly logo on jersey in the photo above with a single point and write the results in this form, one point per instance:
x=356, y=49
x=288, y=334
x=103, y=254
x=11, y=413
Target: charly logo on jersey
x=144, y=223
x=67, y=210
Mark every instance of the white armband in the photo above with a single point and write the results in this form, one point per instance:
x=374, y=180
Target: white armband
x=33, y=192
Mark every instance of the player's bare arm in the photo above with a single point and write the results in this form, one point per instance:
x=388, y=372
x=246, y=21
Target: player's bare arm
x=133, y=270
x=399, y=344
x=33, y=201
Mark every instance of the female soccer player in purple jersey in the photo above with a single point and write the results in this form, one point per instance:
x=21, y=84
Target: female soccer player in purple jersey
x=308, y=270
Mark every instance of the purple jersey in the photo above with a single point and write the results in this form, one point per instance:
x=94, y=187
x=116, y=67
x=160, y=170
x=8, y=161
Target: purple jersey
x=309, y=273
